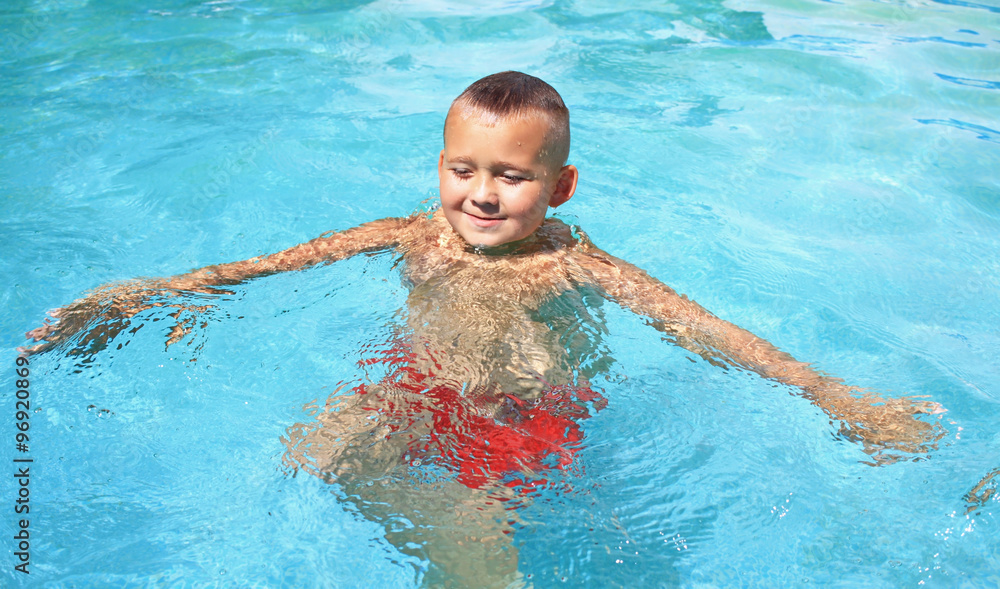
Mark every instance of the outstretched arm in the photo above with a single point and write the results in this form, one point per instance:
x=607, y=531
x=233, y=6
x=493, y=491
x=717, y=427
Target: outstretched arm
x=328, y=247
x=880, y=423
x=105, y=311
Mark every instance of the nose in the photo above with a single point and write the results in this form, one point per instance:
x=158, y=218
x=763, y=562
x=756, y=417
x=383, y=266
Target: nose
x=484, y=191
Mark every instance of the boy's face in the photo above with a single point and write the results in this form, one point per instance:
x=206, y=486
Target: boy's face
x=497, y=180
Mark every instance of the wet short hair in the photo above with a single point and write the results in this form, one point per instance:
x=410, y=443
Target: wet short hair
x=515, y=94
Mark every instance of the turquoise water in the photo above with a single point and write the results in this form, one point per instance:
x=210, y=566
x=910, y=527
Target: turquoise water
x=826, y=175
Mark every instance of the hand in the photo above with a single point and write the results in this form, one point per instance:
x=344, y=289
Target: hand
x=889, y=428
x=981, y=494
x=106, y=312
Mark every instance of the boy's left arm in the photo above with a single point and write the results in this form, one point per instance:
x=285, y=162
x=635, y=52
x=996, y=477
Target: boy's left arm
x=880, y=423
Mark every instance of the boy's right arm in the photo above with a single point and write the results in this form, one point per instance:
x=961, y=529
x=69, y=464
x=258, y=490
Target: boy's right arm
x=329, y=247
x=105, y=311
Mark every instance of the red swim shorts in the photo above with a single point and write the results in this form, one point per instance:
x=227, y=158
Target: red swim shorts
x=522, y=438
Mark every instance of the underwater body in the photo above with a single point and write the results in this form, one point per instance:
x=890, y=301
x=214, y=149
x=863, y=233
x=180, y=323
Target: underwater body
x=824, y=175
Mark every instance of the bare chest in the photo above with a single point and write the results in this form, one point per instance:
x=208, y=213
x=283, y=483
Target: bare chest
x=467, y=278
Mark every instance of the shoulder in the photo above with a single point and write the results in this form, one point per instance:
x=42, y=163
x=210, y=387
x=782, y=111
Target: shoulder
x=567, y=247
x=557, y=230
x=425, y=228
x=571, y=240
x=596, y=267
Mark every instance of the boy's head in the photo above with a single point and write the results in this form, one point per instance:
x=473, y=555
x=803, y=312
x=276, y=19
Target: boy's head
x=512, y=95
x=506, y=140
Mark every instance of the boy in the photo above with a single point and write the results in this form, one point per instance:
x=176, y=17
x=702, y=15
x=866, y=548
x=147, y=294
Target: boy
x=482, y=385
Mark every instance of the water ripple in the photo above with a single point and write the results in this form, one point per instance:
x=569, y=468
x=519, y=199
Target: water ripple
x=970, y=82
x=937, y=39
x=968, y=4
x=983, y=132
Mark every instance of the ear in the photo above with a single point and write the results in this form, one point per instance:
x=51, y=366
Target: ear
x=440, y=163
x=565, y=186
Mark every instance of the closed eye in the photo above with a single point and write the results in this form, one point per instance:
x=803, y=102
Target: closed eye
x=463, y=173
x=512, y=179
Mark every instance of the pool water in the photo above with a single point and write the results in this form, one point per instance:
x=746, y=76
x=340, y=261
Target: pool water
x=824, y=174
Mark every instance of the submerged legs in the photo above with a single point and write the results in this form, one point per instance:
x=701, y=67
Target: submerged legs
x=378, y=455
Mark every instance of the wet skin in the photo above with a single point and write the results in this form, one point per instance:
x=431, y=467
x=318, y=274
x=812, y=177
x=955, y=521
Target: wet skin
x=466, y=304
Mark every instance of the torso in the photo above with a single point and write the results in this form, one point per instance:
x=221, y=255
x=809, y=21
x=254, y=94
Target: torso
x=476, y=318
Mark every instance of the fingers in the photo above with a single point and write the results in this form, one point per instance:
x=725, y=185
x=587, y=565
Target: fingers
x=930, y=408
x=32, y=349
x=904, y=405
x=39, y=333
x=889, y=432
x=104, y=313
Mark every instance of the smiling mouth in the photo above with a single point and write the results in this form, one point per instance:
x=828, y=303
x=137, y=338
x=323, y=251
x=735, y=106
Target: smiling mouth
x=485, y=221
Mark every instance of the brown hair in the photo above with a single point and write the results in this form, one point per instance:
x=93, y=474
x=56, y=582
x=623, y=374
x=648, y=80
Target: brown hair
x=514, y=94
